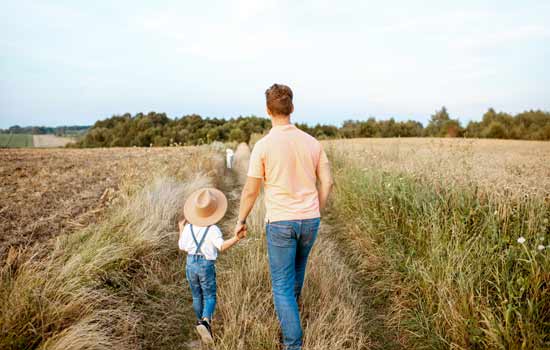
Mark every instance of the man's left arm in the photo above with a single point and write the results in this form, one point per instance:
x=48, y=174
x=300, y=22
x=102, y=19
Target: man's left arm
x=325, y=180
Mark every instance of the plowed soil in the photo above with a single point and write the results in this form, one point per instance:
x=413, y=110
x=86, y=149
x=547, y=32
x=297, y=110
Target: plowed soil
x=46, y=192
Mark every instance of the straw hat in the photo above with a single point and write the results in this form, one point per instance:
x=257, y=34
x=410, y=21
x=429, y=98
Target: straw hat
x=205, y=207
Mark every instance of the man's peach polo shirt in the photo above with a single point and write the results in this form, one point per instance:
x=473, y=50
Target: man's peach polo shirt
x=288, y=159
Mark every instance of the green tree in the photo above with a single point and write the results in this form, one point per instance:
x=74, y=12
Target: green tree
x=214, y=134
x=495, y=130
x=441, y=125
x=237, y=135
x=437, y=122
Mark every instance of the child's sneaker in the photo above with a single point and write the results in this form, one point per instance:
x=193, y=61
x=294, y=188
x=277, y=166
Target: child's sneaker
x=205, y=331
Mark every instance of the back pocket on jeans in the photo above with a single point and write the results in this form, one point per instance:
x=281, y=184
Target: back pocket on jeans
x=280, y=235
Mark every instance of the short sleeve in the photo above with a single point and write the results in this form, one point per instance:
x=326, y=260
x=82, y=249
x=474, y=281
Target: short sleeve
x=181, y=240
x=216, y=237
x=256, y=167
x=323, y=159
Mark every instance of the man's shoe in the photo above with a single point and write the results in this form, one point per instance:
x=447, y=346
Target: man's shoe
x=205, y=332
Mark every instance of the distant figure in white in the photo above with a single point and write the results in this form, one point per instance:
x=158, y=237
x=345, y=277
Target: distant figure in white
x=229, y=158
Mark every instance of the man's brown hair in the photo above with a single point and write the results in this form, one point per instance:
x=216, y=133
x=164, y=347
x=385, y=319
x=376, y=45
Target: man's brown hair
x=279, y=99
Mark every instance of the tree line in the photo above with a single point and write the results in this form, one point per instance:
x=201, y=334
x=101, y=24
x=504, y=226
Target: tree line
x=42, y=130
x=157, y=129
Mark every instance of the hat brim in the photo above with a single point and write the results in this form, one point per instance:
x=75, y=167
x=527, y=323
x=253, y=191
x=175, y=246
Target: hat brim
x=192, y=216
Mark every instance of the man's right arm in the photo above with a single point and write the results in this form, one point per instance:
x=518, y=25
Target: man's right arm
x=251, y=189
x=250, y=193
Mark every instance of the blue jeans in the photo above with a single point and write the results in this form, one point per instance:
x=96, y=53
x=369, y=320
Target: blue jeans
x=201, y=275
x=288, y=246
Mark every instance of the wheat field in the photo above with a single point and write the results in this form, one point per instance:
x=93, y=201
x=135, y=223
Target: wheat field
x=45, y=141
x=427, y=244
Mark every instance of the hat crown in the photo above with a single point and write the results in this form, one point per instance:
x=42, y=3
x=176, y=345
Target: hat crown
x=205, y=207
x=205, y=203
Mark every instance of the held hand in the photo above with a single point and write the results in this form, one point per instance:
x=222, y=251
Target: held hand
x=242, y=233
x=240, y=230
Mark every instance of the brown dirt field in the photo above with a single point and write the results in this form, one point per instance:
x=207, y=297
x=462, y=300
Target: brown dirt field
x=46, y=192
x=45, y=141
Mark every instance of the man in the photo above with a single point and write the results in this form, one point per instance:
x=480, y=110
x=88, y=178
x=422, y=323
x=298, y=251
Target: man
x=289, y=162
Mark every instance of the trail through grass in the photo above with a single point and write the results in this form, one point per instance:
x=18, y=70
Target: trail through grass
x=331, y=308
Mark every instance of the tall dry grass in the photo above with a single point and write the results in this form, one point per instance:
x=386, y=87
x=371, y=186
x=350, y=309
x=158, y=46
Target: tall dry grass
x=113, y=285
x=447, y=253
x=499, y=166
x=246, y=318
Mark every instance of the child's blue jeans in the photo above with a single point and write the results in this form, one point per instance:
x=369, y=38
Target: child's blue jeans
x=201, y=274
x=288, y=246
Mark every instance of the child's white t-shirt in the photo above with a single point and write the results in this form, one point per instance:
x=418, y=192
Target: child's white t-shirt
x=211, y=245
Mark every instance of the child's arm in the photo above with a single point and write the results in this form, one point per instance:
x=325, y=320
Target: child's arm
x=233, y=240
x=181, y=226
x=229, y=243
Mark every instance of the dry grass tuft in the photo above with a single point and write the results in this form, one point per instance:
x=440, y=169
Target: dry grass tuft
x=240, y=162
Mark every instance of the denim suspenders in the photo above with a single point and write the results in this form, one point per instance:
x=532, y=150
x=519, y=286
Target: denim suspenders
x=199, y=244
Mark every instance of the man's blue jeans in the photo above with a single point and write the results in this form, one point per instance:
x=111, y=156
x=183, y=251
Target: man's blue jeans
x=201, y=274
x=288, y=246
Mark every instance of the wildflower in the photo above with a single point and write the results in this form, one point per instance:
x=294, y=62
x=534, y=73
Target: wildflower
x=540, y=247
x=521, y=240
x=542, y=239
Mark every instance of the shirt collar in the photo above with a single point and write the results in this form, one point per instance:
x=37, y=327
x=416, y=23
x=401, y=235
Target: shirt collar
x=282, y=128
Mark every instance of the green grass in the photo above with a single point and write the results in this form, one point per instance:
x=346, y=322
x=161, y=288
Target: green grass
x=16, y=140
x=449, y=258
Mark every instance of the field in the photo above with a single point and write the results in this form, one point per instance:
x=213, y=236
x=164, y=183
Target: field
x=99, y=267
x=16, y=140
x=45, y=141
x=428, y=243
x=518, y=167
x=451, y=238
x=28, y=140
x=49, y=192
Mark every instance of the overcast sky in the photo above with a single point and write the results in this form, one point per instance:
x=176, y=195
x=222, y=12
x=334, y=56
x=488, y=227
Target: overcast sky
x=73, y=62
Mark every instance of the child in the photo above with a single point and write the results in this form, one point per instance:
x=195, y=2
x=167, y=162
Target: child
x=202, y=239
